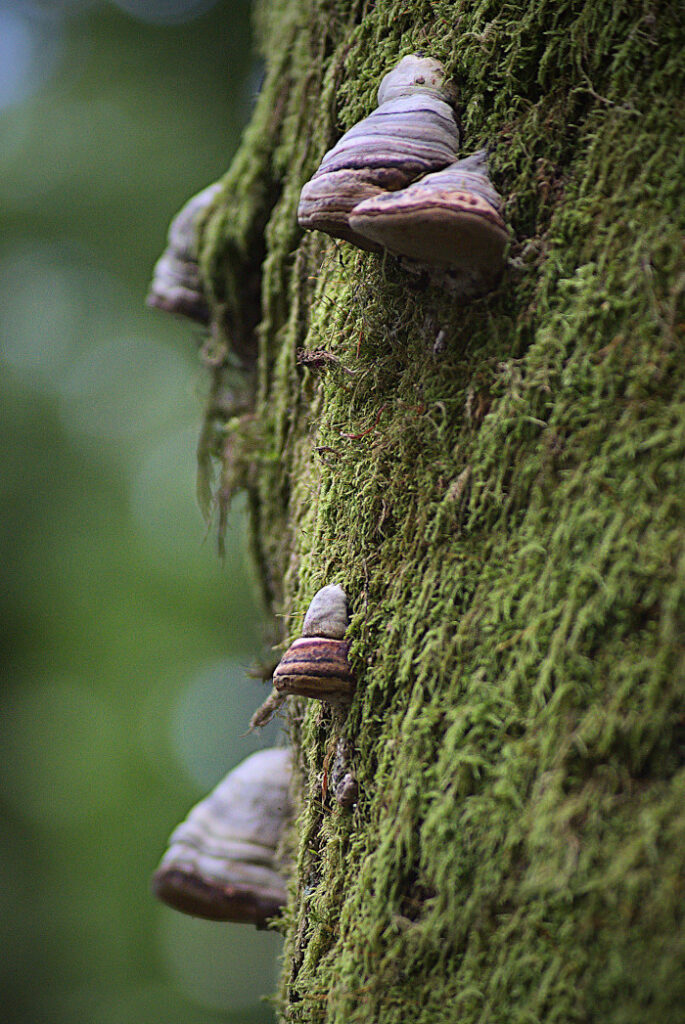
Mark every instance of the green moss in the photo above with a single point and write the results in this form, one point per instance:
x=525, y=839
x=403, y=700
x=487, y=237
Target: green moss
x=507, y=518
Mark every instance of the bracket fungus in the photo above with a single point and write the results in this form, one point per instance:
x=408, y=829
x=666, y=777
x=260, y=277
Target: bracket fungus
x=316, y=664
x=449, y=219
x=221, y=861
x=393, y=183
x=176, y=281
x=412, y=131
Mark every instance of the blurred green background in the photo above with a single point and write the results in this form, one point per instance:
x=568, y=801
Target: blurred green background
x=126, y=641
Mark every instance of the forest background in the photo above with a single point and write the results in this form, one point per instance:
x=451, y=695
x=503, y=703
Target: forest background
x=126, y=642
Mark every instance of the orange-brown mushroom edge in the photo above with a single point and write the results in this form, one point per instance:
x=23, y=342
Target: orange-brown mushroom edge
x=316, y=667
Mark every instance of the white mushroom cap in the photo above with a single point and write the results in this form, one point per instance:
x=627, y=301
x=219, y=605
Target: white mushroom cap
x=327, y=614
x=221, y=861
x=176, y=282
x=414, y=74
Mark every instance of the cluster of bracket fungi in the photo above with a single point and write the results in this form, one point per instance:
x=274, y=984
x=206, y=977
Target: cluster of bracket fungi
x=222, y=861
x=392, y=183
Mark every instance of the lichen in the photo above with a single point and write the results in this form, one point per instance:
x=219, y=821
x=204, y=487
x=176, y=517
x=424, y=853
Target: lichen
x=506, y=516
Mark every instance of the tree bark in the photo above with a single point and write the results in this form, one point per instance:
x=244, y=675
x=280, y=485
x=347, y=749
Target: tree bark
x=506, y=516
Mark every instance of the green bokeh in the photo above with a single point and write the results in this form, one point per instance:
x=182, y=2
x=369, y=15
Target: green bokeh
x=126, y=641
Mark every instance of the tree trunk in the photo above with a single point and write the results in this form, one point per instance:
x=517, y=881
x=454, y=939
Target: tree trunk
x=504, y=510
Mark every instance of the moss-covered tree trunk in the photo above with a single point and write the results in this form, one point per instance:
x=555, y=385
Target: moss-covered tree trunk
x=504, y=510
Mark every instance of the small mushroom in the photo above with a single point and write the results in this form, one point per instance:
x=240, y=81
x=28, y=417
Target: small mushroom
x=221, y=861
x=449, y=219
x=412, y=131
x=176, y=281
x=327, y=613
x=316, y=664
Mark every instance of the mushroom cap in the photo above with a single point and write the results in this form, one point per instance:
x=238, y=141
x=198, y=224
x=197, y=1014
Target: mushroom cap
x=176, y=288
x=327, y=613
x=197, y=890
x=405, y=132
x=415, y=74
x=220, y=863
x=327, y=199
x=176, y=285
x=316, y=667
x=449, y=219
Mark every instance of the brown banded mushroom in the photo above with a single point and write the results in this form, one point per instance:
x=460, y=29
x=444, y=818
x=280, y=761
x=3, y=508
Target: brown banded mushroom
x=412, y=131
x=221, y=861
x=449, y=220
x=176, y=280
x=316, y=664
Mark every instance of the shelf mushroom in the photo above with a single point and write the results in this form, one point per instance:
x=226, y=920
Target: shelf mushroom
x=221, y=861
x=449, y=220
x=412, y=131
x=316, y=664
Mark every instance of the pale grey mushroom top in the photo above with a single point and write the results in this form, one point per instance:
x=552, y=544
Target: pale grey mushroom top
x=176, y=281
x=241, y=819
x=415, y=74
x=182, y=237
x=327, y=614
